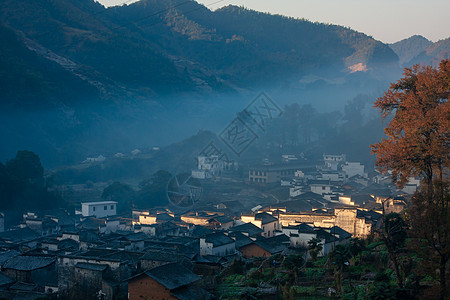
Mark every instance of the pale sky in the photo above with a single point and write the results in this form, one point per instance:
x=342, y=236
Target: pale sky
x=386, y=20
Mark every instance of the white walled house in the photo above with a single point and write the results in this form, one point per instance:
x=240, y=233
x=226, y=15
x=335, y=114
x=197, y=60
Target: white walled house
x=298, y=189
x=268, y=223
x=299, y=235
x=217, y=244
x=411, y=186
x=147, y=219
x=333, y=161
x=208, y=167
x=331, y=175
x=353, y=168
x=320, y=187
x=147, y=229
x=99, y=209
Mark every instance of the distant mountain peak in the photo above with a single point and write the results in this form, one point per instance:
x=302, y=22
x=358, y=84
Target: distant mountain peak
x=411, y=47
x=156, y=47
x=419, y=50
x=415, y=37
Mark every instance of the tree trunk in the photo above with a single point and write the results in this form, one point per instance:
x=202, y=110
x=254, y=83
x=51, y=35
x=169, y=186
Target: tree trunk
x=443, y=285
x=398, y=274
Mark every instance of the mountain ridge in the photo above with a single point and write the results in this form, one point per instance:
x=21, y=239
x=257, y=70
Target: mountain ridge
x=141, y=45
x=419, y=50
x=153, y=72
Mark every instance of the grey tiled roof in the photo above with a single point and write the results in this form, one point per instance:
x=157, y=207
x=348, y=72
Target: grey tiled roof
x=18, y=235
x=324, y=235
x=200, y=231
x=28, y=263
x=265, y=218
x=164, y=217
x=223, y=219
x=134, y=237
x=162, y=255
x=5, y=280
x=4, y=256
x=92, y=267
x=271, y=248
x=248, y=228
x=173, y=275
x=22, y=286
x=190, y=292
x=341, y=232
x=368, y=215
x=302, y=228
x=242, y=240
x=218, y=239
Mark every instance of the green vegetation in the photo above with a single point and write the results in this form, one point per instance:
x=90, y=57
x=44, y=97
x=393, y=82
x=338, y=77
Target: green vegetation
x=139, y=49
x=348, y=272
x=27, y=79
x=23, y=186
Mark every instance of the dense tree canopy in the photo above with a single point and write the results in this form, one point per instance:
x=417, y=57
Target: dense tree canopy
x=153, y=192
x=22, y=184
x=120, y=192
x=417, y=140
x=417, y=144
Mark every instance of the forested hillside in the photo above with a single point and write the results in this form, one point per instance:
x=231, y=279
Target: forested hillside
x=156, y=47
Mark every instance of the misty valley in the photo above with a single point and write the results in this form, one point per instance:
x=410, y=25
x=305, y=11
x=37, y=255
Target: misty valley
x=165, y=150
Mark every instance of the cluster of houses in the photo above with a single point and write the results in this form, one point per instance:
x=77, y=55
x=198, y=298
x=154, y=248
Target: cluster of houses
x=211, y=166
x=159, y=254
x=330, y=180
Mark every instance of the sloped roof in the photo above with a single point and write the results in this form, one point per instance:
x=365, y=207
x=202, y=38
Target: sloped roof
x=112, y=255
x=190, y=292
x=271, y=248
x=222, y=219
x=88, y=236
x=341, y=232
x=23, y=286
x=241, y=240
x=160, y=255
x=173, y=275
x=28, y=263
x=302, y=228
x=200, y=231
x=164, y=217
x=377, y=190
x=214, y=259
x=5, y=280
x=92, y=267
x=362, y=199
x=218, y=239
x=67, y=244
x=4, y=256
x=368, y=215
x=135, y=237
x=305, y=202
x=248, y=228
x=278, y=239
x=265, y=218
x=353, y=184
x=319, y=182
x=93, y=223
x=324, y=235
x=99, y=203
x=18, y=235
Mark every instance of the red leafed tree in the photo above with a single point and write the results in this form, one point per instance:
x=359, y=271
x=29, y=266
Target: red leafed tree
x=417, y=140
x=417, y=144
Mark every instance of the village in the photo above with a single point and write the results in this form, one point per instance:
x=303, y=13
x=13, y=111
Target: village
x=167, y=253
